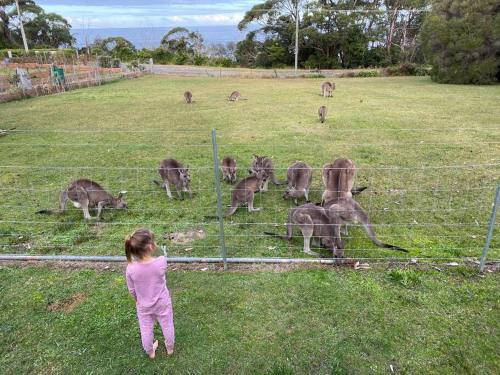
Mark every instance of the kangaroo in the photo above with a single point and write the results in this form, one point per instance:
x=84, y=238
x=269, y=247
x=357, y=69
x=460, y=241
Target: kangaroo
x=322, y=113
x=263, y=163
x=314, y=222
x=87, y=194
x=235, y=96
x=345, y=210
x=244, y=192
x=188, y=97
x=299, y=178
x=327, y=89
x=338, y=179
x=228, y=166
x=173, y=172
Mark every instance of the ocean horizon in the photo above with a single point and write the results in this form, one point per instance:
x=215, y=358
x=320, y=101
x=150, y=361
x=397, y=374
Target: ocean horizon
x=150, y=37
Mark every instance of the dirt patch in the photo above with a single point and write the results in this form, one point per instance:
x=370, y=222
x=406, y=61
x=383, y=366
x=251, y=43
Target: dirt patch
x=181, y=238
x=69, y=304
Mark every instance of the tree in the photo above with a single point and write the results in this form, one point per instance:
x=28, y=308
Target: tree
x=461, y=40
x=181, y=41
x=49, y=29
x=115, y=46
x=42, y=29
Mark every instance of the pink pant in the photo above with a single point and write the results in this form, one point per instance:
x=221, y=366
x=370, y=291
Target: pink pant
x=161, y=311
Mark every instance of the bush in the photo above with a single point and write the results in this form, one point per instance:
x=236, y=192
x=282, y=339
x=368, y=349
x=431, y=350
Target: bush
x=368, y=73
x=460, y=41
x=104, y=61
x=225, y=62
x=115, y=63
x=199, y=59
x=314, y=75
x=407, y=69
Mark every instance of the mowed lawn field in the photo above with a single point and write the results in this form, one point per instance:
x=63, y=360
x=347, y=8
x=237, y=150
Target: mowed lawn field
x=330, y=321
x=429, y=154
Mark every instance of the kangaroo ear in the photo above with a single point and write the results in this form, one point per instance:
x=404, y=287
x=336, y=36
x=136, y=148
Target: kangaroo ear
x=121, y=193
x=255, y=156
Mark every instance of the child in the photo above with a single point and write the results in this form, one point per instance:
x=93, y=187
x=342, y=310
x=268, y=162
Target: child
x=146, y=282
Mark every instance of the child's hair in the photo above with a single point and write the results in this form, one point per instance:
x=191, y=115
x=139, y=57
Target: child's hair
x=137, y=244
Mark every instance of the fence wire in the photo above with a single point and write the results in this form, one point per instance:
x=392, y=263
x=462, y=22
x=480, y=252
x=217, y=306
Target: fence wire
x=437, y=210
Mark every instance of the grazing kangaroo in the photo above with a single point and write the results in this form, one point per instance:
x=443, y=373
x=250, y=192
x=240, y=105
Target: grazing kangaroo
x=314, y=222
x=327, y=89
x=228, y=166
x=87, y=194
x=322, y=113
x=299, y=178
x=173, y=172
x=235, y=96
x=244, y=192
x=346, y=210
x=188, y=97
x=263, y=163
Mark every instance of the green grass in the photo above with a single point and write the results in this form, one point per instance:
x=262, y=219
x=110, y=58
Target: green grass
x=317, y=321
x=126, y=128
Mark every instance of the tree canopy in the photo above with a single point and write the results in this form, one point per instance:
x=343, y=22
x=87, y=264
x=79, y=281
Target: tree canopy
x=42, y=29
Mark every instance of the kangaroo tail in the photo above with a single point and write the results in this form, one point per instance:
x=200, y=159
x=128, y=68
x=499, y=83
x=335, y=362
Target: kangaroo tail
x=50, y=212
x=158, y=183
x=232, y=210
x=377, y=242
x=356, y=191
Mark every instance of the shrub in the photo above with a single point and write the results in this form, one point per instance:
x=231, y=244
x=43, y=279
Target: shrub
x=406, y=69
x=460, y=41
x=115, y=63
x=199, y=59
x=180, y=59
x=368, y=73
x=314, y=75
x=104, y=61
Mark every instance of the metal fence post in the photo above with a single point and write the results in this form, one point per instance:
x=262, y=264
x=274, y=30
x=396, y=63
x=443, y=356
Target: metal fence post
x=222, y=240
x=490, y=228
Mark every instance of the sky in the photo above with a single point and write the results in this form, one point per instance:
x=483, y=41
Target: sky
x=151, y=13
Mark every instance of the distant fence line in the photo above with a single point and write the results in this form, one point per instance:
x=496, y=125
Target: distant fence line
x=205, y=71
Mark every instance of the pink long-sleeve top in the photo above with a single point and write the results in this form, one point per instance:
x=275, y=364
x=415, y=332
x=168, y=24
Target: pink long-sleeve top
x=146, y=281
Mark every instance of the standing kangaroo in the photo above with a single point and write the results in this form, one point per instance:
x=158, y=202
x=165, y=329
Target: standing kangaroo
x=322, y=113
x=314, y=223
x=244, y=192
x=327, y=89
x=87, y=194
x=228, y=166
x=188, y=97
x=299, y=178
x=338, y=179
x=263, y=163
x=173, y=172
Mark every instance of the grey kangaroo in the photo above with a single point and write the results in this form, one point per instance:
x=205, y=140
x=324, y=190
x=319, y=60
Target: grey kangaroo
x=87, y=194
x=244, y=192
x=338, y=178
x=188, y=97
x=314, y=223
x=346, y=210
x=174, y=173
x=299, y=178
x=322, y=113
x=228, y=166
x=263, y=163
x=327, y=89
x=235, y=96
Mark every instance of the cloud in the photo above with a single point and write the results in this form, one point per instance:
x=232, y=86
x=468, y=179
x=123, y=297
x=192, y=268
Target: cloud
x=128, y=13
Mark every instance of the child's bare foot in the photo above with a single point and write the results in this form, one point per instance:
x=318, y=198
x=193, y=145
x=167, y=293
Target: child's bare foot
x=153, y=352
x=170, y=351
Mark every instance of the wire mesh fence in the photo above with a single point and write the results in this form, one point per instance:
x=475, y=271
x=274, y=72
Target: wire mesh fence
x=435, y=210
